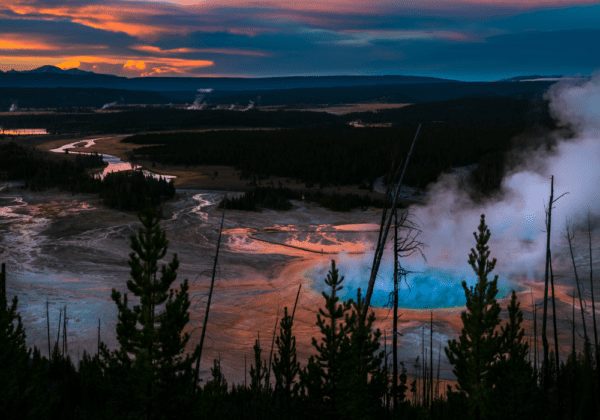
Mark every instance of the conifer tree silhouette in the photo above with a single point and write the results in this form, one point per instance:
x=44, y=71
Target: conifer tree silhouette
x=13, y=354
x=285, y=364
x=475, y=353
x=322, y=375
x=150, y=333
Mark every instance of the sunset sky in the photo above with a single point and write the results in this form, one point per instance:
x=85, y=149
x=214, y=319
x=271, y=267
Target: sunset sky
x=464, y=39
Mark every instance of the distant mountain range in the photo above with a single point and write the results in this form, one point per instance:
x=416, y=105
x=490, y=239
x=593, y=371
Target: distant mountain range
x=51, y=76
x=49, y=85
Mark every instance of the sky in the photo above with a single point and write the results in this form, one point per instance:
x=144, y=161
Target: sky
x=461, y=39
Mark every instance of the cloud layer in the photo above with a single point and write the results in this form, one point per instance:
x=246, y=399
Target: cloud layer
x=469, y=39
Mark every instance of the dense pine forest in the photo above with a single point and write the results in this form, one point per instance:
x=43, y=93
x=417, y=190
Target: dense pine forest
x=153, y=370
x=478, y=132
x=130, y=191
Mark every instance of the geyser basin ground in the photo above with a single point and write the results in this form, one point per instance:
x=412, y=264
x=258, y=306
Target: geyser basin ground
x=429, y=289
x=72, y=251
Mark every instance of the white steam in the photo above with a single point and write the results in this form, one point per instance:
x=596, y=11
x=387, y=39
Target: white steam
x=516, y=216
x=109, y=105
x=199, y=102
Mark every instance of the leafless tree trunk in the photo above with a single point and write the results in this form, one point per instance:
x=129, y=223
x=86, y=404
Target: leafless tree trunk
x=392, y=196
x=545, y=363
x=570, y=235
x=592, y=290
x=395, y=318
x=210, y=293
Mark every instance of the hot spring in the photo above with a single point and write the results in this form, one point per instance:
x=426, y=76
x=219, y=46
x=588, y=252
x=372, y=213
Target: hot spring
x=432, y=288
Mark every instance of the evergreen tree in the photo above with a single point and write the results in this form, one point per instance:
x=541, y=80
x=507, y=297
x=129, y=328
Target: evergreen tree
x=285, y=364
x=216, y=387
x=259, y=381
x=150, y=333
x=321, y=378
x=364, y=379
x=477, y=350
x=14, y=355
x=515, y=387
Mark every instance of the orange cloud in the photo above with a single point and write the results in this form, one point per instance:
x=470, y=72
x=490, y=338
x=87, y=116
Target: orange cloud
x=138, y=66
x=224, y=51
x=134, y=65
x=115, y=17
x=19, y=42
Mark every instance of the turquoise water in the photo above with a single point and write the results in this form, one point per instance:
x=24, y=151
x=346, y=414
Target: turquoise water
x=429, y=289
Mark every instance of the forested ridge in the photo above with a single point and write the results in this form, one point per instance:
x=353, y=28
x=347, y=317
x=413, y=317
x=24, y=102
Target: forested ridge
x=152, y=373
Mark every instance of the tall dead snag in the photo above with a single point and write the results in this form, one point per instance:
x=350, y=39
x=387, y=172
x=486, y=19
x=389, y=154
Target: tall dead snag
x=535, y=336
x=48, y=329
x=395, y=317
x=545, y=363
x=99, y=341
x=405, y=244
x=549, y=279
x=210, y=293
x=387, y=217
x=431, y=358
x=570, y=236
x=272, y=345
x=554, y=326
x=589, y=227
x=64, y=342
x=573, y=350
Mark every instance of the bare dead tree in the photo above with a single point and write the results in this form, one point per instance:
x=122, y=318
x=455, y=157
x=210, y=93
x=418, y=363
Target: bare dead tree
x=272, y=345
x=395, y=318
x=296, y=302
x=535, y=337
x=64, y=340
x=570, y=236
x=546, y=366
x=573, y=350
x=437, y=382
x=406, y=243
x=589, y=229
x=548, y=279
x=554, y=326
x=58, y=330
x=387, y=216
x=99, y=341
x=210, y=293
x=430, y=357
x=48, y=328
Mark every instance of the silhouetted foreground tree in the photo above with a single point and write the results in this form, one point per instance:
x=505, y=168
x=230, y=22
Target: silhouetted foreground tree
x=151, y=356
x=149, y=374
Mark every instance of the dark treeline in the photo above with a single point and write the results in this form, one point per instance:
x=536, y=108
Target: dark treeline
x=72, y=98
x=42, y=171
x=341, y=155
x=151, y=375
x=261, y=197
x=278, y=198
x=132, y=190
x=162, y=119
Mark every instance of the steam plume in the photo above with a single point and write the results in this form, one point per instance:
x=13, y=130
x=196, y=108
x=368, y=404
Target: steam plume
x=516, y=216
x=199, y=103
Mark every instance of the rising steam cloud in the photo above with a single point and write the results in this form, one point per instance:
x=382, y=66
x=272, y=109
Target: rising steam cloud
x=516, y=216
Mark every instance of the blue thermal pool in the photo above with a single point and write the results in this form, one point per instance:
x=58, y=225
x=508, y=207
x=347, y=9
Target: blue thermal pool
x=429, y=289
